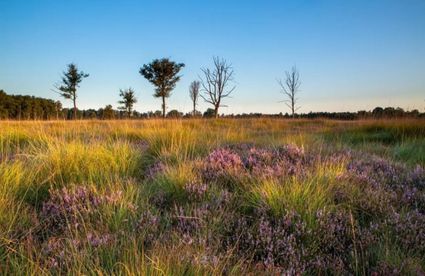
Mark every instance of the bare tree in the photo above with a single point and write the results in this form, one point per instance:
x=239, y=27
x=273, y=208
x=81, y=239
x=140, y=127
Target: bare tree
x=216, y=83
x=290, y=88
x=194, y=94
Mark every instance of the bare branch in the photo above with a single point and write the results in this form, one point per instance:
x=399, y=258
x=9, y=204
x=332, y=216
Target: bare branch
x=290, y=88
x=216, y=82
x=194, y=94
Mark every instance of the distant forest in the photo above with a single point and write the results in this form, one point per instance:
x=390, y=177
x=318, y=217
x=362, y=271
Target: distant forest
x=22, y=107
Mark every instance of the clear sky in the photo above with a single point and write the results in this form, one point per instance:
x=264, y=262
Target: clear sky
x=352, y=55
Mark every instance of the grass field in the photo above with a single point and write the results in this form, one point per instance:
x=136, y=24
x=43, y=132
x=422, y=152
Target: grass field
x=223, y=196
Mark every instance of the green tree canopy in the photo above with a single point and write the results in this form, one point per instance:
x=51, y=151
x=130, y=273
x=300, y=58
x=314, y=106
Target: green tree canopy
x=128, y=100
x=163, y=74
x=70, y=81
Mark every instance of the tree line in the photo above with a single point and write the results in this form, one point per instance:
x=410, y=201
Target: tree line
x=28, y=107
x=376, y=113
x=18, y=107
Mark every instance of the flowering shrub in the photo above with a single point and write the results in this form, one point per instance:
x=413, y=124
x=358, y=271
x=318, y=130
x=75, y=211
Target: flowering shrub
x=189, y=223
x=339, y=239
x=196, y=191
x=275, y=243
x=71, y=207
x=386, y=184
x=384, y=198
x=57, y=251
x=149, y=225
x=259, y=162
x=291, y=153
x=287, y=160
x=412, y=197
x=96, y=240
x=221, y=163
x=376, y=171
x=263, y=163
x=154, y=170
x=417, y=177
x=384, y=268
x=409, y=230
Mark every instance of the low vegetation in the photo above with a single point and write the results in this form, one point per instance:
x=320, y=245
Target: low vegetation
x=225, y=196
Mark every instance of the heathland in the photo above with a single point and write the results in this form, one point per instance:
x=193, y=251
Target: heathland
x=224, y=196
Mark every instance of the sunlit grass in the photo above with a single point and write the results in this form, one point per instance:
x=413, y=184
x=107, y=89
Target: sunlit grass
x=114, y=156
x=305, y=196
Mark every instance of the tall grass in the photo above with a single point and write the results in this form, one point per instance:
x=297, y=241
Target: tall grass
x=110, y=157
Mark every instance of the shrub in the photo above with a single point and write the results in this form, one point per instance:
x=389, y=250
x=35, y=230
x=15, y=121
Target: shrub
x=71, y=208
x=221, y=164
x=340, y=243
x=195, y=191
x=409, y=230
x=274, y=243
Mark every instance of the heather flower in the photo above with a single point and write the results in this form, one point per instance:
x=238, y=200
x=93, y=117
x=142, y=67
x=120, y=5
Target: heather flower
x=189, y=221
x=386, y=269
x=154, y=170
x=287, y=160
x=195, y=191
x=275, y=243
x=159, y=199
x=223, y=198
x=376, y=171
x=221, y=163
x=340, y=157
x=57, y=251
x=95, y=240
x=206, y=260
x=340, y=239
x=409, y=230
x=417, y=177
x=113, y=198
x=387, y=185
x=66, y=207
x=263, y=163
x=54, y=253
x=334, y=234
x=291, y=152
x=412, y=197
x=149, y=225
x=71, y=207
x=259, y=162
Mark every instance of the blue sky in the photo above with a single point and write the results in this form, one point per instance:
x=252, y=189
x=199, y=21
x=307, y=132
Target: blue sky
x=352, y=55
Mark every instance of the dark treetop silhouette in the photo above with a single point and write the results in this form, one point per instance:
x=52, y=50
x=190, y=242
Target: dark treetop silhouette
x=163, y=74
x=128, y=100
x=70, y=82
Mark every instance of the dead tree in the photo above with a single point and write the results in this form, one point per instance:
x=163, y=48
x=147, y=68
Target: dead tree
x=216, y=83
x=290, y=88
x=194, y=94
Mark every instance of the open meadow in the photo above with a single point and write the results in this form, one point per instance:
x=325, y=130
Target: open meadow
x=225, y=196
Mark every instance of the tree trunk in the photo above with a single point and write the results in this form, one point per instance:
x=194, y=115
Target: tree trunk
x=75, y=109
x=293, y=113
x=194, y=109
x=216, y=111
x=163, y=106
